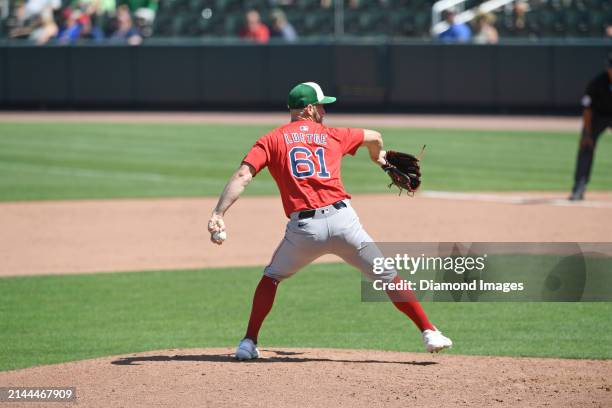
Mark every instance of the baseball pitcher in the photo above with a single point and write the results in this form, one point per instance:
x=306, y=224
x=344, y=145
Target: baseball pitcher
x=304, y=158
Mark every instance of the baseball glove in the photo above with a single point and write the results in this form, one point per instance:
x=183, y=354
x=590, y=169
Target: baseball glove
x=404, y=170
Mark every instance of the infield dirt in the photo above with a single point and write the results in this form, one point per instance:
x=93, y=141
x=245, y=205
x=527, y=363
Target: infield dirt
x=59, y=237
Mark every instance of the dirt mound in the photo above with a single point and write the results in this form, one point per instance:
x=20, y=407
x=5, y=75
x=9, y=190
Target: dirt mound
x=324, y=378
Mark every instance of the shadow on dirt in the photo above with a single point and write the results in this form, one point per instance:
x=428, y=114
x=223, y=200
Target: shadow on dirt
x=279, y=357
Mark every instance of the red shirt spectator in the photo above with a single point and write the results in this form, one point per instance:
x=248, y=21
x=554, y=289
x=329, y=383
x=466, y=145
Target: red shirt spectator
x=254, y=29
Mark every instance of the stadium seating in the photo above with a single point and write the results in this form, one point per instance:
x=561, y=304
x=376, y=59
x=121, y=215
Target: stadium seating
x=392, y=18
x=559, y=18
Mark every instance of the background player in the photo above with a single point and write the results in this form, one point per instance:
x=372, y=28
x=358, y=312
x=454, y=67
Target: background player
x=304, y=158
x=596, y=118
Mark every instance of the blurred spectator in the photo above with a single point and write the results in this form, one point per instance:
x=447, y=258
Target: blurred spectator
x=519, y=13
x=144, y=21
x=144, y=12
x=74, y=22
x=485, y=31
x=281, y=27
x=34, y=20
x=609, y=31
x=101, y=14
x=456, y=32
x=126, y=32
x=78, y=25
x=254, y=29
x=47, y=29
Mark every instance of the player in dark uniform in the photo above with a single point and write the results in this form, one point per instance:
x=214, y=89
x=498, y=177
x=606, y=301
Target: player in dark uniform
x=596, y=118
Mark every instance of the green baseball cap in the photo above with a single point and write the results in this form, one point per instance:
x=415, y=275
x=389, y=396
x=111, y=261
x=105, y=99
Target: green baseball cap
x=305, y=94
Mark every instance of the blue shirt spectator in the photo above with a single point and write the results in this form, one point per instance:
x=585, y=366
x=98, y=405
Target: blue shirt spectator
x=456, y=32
x=126, y=32
x=71, y=31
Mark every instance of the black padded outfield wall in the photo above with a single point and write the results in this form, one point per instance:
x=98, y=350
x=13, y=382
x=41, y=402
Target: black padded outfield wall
x=394, y=77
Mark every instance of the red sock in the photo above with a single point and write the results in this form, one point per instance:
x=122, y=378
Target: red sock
x=406, y=302
x=262, y=304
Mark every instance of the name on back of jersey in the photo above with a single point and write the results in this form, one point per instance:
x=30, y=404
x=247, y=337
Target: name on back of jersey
x=308, y=138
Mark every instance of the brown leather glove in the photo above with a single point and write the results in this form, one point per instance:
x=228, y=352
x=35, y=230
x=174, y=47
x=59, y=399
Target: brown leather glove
x=404, y=170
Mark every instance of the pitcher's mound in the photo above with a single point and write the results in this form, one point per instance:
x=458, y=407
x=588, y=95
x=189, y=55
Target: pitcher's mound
x=324, y=378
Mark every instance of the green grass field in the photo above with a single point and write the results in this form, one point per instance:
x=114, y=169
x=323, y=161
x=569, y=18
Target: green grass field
x=70, y=161
x=53, y=319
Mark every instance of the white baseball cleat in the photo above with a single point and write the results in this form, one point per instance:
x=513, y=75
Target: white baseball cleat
x=435, y=341
x=247, y=350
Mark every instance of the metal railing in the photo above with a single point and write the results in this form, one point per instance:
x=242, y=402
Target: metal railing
x=438, y=26
x=439, y=7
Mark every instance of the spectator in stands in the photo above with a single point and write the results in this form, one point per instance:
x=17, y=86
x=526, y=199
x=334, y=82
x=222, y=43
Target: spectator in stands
x=520, y=10
x=485, y=31
x=100, y=12
x=74, y=25
x=281, y=27
x=126, y=32
x=144, y=19
x=78, y=25
x=34, y=20
x=456, y=32
x=46, y=30
x=254, y=29
x=143, y=12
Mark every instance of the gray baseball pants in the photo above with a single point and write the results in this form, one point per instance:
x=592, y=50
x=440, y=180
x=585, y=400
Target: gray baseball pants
x=329, y=231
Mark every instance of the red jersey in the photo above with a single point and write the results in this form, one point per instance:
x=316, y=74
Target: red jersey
x=259, y=34
x=304, y=158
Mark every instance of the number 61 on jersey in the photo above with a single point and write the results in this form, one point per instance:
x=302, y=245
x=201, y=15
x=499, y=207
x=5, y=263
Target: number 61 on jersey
x=304, y=163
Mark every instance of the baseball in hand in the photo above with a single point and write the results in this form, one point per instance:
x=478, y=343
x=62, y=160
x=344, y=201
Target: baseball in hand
x=220, y=236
